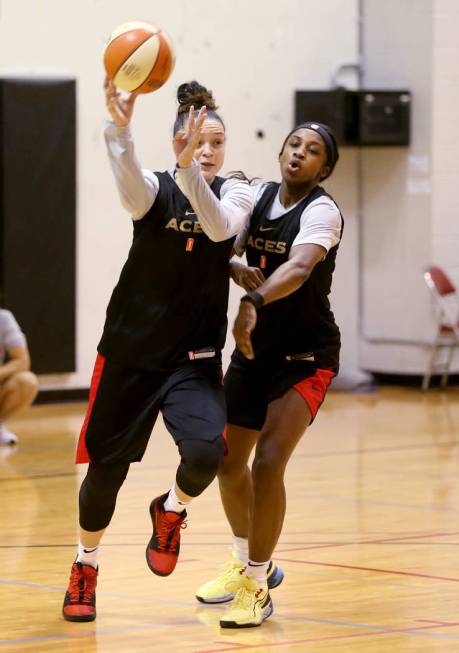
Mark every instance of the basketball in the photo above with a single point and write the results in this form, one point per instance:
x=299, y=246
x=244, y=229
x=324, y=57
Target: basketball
x=139, y=57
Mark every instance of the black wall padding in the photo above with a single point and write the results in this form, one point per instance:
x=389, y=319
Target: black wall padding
x=37, y=215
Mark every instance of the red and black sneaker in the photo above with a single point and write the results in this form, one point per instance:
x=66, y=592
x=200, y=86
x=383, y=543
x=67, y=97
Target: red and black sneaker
x=164, y=546
x=80, y=598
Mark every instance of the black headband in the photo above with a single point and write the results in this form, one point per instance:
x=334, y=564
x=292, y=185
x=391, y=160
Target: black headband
x=330, y=144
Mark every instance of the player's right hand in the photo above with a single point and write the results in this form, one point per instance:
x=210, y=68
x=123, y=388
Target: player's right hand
x=119, y=108
x=244, y=324
x=249, y=278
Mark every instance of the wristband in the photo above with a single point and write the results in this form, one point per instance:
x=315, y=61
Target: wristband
x=254, y=298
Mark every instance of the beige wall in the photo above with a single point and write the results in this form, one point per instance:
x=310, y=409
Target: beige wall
x=445, y=137
x=252, y=54
x=408, y=217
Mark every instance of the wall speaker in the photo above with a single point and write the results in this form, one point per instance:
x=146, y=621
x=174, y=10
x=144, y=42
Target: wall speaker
x=367, y=117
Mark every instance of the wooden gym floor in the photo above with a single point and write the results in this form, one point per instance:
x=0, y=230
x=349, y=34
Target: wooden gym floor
x=369, y=548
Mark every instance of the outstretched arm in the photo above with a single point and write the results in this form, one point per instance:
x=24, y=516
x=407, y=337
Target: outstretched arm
x=293, y=273
x=283, y=282
x=137, y=188
x=220, y=218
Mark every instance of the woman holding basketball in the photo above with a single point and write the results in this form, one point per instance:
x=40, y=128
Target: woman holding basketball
x=164, y=331
x=287, y=353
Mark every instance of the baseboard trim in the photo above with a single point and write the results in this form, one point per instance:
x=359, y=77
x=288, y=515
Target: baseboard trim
x=62, y=395
x=412, y=380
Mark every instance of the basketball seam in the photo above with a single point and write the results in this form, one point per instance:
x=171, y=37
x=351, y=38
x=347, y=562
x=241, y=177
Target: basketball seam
x=149, y=72
x=133, y=52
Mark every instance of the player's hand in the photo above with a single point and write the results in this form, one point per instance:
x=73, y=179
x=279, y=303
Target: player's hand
x=249, y=278
x=187, y=140
x=120, y=109
x=244, y=324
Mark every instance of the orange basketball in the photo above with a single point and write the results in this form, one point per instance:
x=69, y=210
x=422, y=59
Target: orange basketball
x=139, y=57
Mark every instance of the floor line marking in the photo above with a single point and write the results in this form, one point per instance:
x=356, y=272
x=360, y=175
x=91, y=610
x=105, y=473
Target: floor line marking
x=379, y=541
x=388, y=631
x=372, y=502
x=373, y=630
x=123, y=597
x=92, y=633
x=372, y=569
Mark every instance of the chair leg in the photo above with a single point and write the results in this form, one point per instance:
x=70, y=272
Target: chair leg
x=429, y=371
x=445, y=375
x=426, y=381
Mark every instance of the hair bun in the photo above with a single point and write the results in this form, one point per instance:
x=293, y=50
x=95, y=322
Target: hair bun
x=193, y=94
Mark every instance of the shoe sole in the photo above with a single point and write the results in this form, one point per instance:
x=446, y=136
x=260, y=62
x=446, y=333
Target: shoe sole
x=234, y=624
x=76, y=618
x=274, y=581
x=219, y=599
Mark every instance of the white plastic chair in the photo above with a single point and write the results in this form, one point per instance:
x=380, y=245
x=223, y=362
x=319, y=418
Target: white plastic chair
x=446, y=304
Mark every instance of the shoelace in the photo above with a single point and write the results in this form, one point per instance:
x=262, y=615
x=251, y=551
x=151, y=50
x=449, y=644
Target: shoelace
x=165, y=530
x=245, y=594
x=80, y=584
x=229, y=568
x=243, y=598
x=243, y=583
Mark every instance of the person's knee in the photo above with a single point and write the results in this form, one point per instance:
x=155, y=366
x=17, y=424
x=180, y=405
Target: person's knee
x=203, y=455
x=23, y=386
x=98, y=492
x=29, y=385
x=200, y=460
x=231, y=468
x=268, y=464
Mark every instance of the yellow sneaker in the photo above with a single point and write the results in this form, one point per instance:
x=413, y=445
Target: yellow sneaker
x=216, y=590
x=250, y=607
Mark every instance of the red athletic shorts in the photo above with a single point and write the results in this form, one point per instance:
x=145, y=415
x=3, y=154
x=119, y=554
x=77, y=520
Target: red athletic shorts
x=251, y=385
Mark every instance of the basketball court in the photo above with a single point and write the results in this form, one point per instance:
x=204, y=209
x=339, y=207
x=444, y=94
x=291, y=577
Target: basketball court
x=369, y=546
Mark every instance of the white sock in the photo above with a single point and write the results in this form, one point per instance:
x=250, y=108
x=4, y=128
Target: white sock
x=87, y=555
x=173, y=503
x=259, y=571
x=241, y=548
x=6, y=437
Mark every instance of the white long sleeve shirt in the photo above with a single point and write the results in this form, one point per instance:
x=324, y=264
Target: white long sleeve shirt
x=220, y=219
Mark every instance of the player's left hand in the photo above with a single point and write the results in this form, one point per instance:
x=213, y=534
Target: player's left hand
x=187, y=140
x=244, y=324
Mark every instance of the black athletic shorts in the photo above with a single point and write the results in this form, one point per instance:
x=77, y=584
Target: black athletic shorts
x=250, y=385
x=124, y=403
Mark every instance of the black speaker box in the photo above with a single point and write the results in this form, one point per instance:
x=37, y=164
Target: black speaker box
x=338, y=109
x=384, y=117
x=38, y=215
x=367, y=117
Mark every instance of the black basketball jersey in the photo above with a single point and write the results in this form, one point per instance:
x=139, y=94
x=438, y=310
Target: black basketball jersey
x=172, y=295
x=301, y=323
